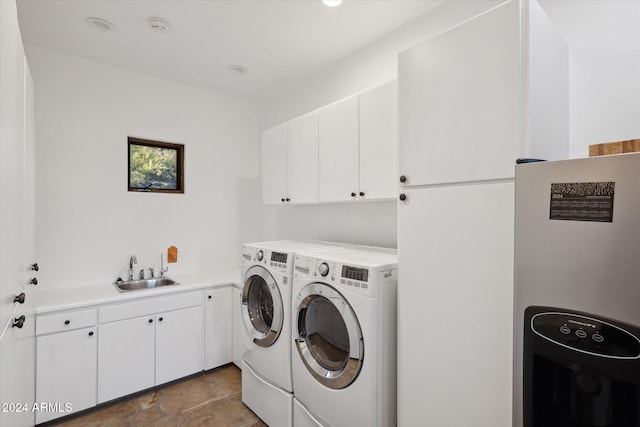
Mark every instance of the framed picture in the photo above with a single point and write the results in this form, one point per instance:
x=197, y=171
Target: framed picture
x=155, y=166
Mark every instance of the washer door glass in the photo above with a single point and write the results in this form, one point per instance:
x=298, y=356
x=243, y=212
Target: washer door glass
x=328, y=337
x=262, y=308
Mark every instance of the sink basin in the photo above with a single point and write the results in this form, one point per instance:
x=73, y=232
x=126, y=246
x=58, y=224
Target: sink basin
x=144, y=284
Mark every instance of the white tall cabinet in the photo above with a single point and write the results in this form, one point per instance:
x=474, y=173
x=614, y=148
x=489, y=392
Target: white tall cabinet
x=464, y=119
x=17, y=167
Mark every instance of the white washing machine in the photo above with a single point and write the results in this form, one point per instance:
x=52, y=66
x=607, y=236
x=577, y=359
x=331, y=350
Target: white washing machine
x=267, y=272
x=344, y=337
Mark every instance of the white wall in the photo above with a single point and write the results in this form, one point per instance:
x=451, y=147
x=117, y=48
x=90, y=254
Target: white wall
x=373, y=223
x=604, y=97
x=88, y=224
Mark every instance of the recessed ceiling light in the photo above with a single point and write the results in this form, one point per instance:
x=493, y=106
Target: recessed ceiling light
x=238, y=70
x=332, y=3
x=160, y=25
x=100, y=24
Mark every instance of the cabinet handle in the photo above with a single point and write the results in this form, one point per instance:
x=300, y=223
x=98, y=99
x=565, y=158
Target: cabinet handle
x=35, y=267
x=361, y=193
x=18, y=322
x=282, y=200
x=288, y=199
x=19, y=298
x=353, y=194
x=210, y=297
x=66, y=322
x=33, y=281
x=160, y=319
x=91, y=333
x=403, y=197
x=403, y=178
x=150, y=320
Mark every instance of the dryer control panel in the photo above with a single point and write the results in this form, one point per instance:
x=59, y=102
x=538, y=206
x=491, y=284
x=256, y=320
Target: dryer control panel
x=354, y=278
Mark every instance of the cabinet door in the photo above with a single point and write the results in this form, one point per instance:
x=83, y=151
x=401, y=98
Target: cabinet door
x=460, y=106
x=302, y=159
x=126, y=362
x=338, y=151
x=179, y=344
x=217, y=327
x=274, y=165
x=379, y=142
x=455, y=262
x=66, y=367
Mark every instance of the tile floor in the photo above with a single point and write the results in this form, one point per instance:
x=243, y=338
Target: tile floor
x=210, y=399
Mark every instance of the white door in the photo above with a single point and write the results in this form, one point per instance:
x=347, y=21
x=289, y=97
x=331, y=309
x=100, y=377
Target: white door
x=327, y=336
x=126, y=357
x=455, y=305
x=302, y=159
x=379, y=142
x=262, y=307
x=460, y=106
x=274, y=166
x=66, y=366
x=217, y=327
x=338, y=151
x=179, y=344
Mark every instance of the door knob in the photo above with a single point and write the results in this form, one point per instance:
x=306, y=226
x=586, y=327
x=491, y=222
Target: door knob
x=403, y=197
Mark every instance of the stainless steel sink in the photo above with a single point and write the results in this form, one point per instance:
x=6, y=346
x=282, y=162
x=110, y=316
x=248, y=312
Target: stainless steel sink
x=137, y=285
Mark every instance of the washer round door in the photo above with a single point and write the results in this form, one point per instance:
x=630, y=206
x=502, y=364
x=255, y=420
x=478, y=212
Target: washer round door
x=328, y=336
x=262, y=309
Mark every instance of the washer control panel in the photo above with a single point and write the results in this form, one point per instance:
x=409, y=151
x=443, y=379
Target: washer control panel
x=586, y=334
x=280, y=261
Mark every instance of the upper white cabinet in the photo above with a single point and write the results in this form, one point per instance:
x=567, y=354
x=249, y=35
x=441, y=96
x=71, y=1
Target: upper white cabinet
x=302, y=159
x=290, y=162
x=481, y=95
x=379, y=142
x=338, y=151
x=460, y=115
x=274, y=165
x=345, y=151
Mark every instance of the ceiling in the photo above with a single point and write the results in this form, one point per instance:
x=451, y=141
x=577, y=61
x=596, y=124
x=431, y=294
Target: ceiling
x=277, y=40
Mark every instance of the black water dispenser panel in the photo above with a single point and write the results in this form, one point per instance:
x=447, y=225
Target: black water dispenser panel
x=587, y=335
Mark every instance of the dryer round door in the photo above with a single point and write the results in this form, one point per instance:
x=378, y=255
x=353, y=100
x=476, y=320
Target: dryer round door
x=262, y=309
x=328, y=336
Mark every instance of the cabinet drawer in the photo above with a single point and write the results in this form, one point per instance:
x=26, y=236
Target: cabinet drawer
x=65, y=321
x=146, y=306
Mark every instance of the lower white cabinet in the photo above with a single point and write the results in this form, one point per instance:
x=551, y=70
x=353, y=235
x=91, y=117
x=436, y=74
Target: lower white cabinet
x=179, y=344
x=127, y=357
x=140, y=352
x=217, y=327
x=66, y=373
x=93, y=355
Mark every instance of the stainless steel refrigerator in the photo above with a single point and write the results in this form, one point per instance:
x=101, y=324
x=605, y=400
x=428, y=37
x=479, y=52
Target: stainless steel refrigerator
x=577, y=293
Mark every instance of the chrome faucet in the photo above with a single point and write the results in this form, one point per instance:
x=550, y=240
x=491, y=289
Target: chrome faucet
x=163, y=269
x=132, y=260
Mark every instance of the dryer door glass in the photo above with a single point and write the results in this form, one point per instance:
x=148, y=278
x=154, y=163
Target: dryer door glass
x=328, y=338
x=262, y=308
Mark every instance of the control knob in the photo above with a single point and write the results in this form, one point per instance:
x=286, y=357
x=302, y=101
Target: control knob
x=260, y=255
x=323, y=269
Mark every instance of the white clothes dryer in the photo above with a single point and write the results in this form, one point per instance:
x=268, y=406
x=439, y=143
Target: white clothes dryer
x=267, y=272
x=344, y=337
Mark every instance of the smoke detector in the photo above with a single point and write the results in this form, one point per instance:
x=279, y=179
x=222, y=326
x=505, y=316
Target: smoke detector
x=159, y=25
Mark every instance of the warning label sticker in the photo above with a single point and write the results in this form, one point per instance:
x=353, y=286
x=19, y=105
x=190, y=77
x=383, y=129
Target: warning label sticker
x=582, y=201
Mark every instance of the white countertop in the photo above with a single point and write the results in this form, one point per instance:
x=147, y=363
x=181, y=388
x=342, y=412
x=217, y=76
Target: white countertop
x=49, y=300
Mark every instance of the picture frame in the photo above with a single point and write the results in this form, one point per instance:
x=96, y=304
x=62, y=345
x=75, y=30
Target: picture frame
x=155, y=166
